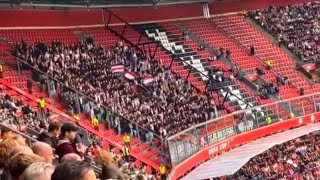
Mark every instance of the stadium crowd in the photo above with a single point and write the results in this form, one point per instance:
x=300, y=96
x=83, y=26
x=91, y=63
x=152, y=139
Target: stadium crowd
x=295, y=159
x=58, y=153
x=87, y=67
x=295, y=25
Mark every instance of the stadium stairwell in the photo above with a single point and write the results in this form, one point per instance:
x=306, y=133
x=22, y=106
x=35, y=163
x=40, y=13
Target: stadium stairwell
x=191, y=58
x=177, y=48
x=222, y=63
x=236, y=87
x=244, y=80
x=216, y=38
x=240, y=30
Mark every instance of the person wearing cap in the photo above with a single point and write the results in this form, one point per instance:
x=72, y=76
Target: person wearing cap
x=66, y=144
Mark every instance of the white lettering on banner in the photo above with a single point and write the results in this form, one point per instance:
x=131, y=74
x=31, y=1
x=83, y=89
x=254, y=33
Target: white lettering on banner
x=171, y=46
x=221, y=134
x=218, y=148
x=245, y=126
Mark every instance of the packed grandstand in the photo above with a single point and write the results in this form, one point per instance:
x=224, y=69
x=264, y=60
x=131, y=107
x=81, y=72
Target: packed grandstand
x=171, y=92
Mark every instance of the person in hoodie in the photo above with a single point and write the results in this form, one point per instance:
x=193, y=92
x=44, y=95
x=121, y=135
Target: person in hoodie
x=51, y=137
x=67, y=143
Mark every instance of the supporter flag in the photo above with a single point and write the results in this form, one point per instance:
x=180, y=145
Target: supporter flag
x=117, y=68
x=130, y=75
x=147, y=79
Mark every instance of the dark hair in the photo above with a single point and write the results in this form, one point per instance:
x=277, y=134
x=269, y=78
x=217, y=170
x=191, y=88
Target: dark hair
x=54, y=125
x=73, y=170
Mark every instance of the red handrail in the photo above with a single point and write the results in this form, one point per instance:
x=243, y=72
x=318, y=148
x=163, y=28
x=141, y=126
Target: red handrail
x=84, y=126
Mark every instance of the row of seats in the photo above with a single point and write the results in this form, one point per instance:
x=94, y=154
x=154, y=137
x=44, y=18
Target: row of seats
x=247, y=35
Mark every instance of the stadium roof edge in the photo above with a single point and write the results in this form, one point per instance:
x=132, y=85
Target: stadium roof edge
x=113, y=5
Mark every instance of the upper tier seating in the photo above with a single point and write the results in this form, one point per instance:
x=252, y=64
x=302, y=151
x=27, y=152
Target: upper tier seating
x=89, y=69
x=165, y=82
x=240, y=30
x=172, y=39
x=296, y=24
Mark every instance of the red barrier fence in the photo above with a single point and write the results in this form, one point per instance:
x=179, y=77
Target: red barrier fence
x=84, y=126
x=237, y=140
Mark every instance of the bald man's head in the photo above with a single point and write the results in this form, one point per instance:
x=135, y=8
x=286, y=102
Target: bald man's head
x=44, y=150
x=71, y=157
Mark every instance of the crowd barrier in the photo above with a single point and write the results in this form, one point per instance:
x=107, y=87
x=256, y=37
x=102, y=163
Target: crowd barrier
x=202, y=142
x=84, y=126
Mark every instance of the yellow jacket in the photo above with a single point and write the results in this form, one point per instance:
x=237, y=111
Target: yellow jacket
x=268, y=62
x=126, y=138
x=42, y=103
x=162, y=169
x=95, y=122
x=125, y=151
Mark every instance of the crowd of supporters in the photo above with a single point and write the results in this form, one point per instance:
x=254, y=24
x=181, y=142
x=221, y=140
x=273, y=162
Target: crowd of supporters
x=172, y=105
x=20, y=115
x=295, y=25
x=58, y=153
x=295, y=159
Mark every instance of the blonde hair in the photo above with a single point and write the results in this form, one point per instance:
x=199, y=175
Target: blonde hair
x=6, y=147
x=104, y=157
x=37, y=171
x=17, y=137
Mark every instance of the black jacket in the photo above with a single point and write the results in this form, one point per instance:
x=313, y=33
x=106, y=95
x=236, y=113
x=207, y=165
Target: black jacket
x=44, y=137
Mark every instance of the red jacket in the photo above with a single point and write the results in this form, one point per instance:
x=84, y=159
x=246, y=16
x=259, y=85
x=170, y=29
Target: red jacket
x=64, y=148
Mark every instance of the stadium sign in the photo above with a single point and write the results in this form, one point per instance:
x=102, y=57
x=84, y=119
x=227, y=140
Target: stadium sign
x=245, y=126
x=220, y=147
x=221, y=134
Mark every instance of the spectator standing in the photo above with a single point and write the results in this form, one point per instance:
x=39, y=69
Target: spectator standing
x=244, y=13
x=252, y=50
x=279, y=40
x=1, y=71
x=42, y=106
x=127, y=139
x=29, y=86
x=51, y=137
x=66, y=145
x=95, y=123
x=268, y=64
x=301, y=91
x=125, y=153
x=163, y=172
